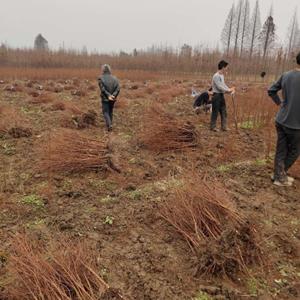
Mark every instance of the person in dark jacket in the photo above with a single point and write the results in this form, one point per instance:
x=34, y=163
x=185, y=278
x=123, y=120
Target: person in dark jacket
x=202, y=102
x=287, y=124
x=110, y=89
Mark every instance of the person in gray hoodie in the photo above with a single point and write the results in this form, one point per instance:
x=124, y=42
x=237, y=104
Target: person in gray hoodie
x=287, y=124
x=110, y=89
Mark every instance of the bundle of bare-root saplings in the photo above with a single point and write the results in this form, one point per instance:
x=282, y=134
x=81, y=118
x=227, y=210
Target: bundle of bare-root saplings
x=67, y=150
x=203, y=213
x=56, y=270
x=162, y=131
x=13, y=123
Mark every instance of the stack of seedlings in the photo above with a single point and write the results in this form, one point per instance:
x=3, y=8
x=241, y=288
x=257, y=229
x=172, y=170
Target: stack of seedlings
x=163, y=132
x=68, y=150
x=223, y=240
x=62, y=270
x=13, y=124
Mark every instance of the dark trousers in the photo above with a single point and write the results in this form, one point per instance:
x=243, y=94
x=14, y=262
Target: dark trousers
x=218, y=107
x=287, y=150
x=107, y=110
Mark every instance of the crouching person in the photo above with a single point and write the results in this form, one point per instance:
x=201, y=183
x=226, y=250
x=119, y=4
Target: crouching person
x=203, y=102
x=110, y=89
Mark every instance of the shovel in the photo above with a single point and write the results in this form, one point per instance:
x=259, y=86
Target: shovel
x=235, y=112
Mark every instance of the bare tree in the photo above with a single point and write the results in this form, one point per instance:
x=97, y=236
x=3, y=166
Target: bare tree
x=298, y=38
x=227, y=33
x=267, y=35
x=238, y=25
x=255, y=28
x=293, y=35
x=245, y=25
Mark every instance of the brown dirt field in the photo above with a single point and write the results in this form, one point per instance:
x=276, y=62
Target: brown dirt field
x=117, y=213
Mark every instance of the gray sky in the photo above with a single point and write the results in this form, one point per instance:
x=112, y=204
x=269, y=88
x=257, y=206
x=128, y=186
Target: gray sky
x=112, y=25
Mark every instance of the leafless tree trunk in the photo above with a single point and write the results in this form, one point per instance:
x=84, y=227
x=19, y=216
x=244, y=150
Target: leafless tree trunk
x=245, y=27
x=227, y=33
x=293, y=34
x=255, y=28
x=237, y=25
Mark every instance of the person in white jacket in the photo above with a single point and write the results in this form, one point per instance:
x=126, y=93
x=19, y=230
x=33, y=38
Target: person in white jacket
x=219, y=88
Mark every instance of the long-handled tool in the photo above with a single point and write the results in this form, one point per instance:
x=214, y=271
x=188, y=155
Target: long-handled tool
x=235, y=112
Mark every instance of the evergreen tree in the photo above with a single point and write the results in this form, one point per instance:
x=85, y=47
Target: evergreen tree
x=267, y=35
x=40, y=43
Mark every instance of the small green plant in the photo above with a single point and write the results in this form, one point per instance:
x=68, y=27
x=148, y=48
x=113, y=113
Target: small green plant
x=224, y=168
x=104, y=273
x=133, y=161
x=103, y=184
x=260, y=162
x=8, y=149
x=136, y=195
x=90, y=209
x=67, y=184
x=35, y=224
x=25, y=110
x=252, y=286
x=202, y=296
x=33, y=200
x=107, y=199
x=250, y=125
x=281, y=282
x=256, y=286
x=165, y=185
x=247, y=125
x=295, y=222
x=31, y=111
x=109, y=220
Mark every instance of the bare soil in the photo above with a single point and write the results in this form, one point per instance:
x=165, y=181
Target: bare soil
x=140, y=254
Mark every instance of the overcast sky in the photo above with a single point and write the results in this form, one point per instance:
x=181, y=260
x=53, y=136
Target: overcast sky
x=112, y=25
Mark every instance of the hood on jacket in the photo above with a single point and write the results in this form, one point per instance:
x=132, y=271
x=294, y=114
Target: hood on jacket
x=106, y=69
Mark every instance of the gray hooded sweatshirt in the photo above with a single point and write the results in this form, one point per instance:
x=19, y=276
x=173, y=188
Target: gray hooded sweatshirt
x=289, y=113
x=109, y=86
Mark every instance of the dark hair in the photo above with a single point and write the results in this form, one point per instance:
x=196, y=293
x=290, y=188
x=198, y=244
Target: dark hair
x=222, y=64
x=263, y=74
x=298, y=58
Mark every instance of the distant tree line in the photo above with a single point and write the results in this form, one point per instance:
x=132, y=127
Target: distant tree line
x=200, y=60
x=250, y=46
